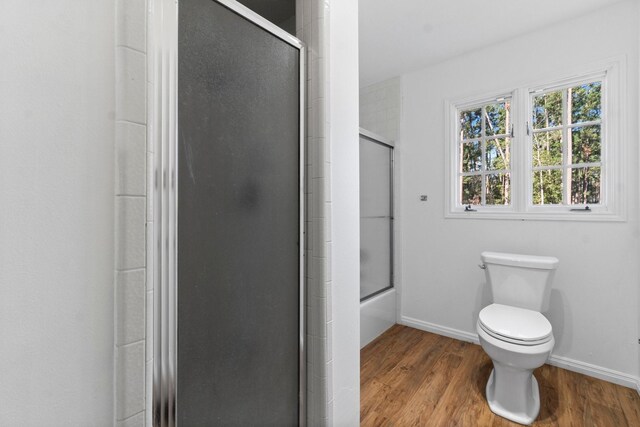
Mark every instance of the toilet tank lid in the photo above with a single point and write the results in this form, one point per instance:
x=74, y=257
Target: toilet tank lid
x=519, y=260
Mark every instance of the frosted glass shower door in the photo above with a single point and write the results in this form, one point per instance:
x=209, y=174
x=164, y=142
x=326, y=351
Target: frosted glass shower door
x=238, y=312
x=376, y=216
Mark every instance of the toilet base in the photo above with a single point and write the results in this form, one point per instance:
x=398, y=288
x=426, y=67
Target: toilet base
x=513, y=394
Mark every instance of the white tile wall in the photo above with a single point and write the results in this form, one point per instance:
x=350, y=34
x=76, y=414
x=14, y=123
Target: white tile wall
x=131, y=148
x=130, y=380
x=131, y=71
x=134, y=421
x=380, y=108
x=130, y=232
x=312, y=25
x=130, y=294
x=131, y=29
x=133, y=210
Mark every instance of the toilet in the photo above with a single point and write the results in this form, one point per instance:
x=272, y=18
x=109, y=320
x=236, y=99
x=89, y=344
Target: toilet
x=514, y=333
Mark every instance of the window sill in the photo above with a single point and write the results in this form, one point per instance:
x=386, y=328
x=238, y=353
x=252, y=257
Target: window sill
x=558, y=215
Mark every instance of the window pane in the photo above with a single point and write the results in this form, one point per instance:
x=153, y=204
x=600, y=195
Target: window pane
x=471, y=124
x=547, y=148
x=497, y=118
x=547, y=110
x=547, y=187
x=585, y=185
x=471, y=156
x=498, y=154
x=498, y=189
x=585, y=102
x=585, y=144
x=471, y=190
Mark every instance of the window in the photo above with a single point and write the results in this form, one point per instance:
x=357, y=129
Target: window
x=566, y=153
x=484, y=145
x=552, y=151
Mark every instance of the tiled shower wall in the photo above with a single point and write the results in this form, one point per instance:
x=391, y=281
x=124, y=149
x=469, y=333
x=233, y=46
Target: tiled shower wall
x=312, y=29
x=132, y=290
x=380, y=108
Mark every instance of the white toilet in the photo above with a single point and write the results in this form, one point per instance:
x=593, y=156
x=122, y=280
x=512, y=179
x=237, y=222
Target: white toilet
x=513, y=332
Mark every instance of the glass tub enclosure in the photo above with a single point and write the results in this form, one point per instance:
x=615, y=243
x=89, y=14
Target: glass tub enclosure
x=376, y=215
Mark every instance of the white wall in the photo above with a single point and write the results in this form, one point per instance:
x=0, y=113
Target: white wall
x=380, y=108
x=638, y=191
x=56, y=213
x=594, y=301
x=345, y=217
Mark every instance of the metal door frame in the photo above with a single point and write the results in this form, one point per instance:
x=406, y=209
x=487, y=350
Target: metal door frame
x=379, y=140
x=163, y=137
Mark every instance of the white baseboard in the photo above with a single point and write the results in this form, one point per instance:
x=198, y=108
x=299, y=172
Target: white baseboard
x=595, y=371
x=440, y=330
x=588, y=369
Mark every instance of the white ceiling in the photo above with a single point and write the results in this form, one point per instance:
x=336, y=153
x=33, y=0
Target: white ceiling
x=397, y=36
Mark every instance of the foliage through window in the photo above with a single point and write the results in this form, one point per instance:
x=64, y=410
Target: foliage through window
x=567, y=145
x=484, y=152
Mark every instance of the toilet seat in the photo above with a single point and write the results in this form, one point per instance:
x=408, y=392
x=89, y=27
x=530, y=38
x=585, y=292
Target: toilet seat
x=515, y=325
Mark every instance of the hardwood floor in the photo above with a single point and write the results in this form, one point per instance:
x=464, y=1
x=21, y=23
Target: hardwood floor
x=410, y=377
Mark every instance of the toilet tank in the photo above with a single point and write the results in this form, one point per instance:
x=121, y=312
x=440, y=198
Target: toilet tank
x=520, y=280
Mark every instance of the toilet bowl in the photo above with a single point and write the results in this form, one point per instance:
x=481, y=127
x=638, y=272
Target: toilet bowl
x=512, y=391
x=514, y=333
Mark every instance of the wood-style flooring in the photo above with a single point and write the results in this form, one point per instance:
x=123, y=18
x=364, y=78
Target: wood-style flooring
x=413, y=378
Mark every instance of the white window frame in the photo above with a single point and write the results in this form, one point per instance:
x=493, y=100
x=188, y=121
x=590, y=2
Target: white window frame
x=612, y=206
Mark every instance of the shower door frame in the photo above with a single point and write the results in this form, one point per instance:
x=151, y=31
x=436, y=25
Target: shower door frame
x=377, y=139
x=163, y=137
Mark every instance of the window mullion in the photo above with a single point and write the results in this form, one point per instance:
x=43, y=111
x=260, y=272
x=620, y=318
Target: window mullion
x=483, y=146
x=520, y=168
x=566, y=155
